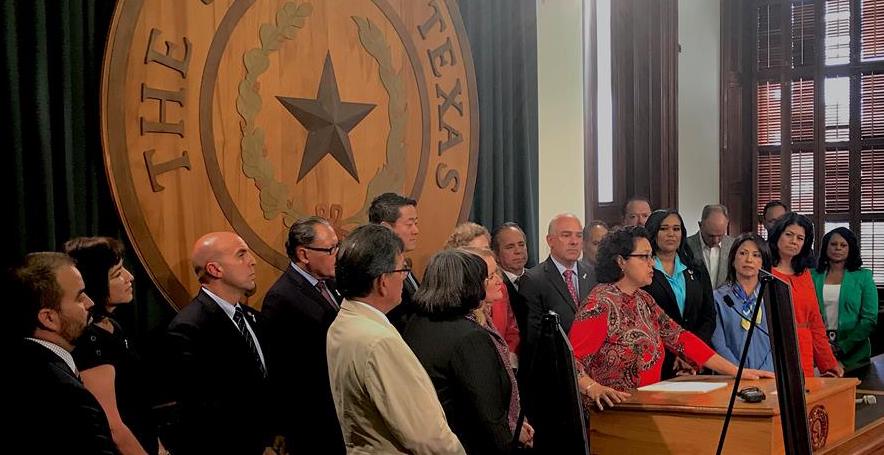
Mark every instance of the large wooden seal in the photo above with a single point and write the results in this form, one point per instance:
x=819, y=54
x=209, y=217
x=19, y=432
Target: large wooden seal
x=245, y=115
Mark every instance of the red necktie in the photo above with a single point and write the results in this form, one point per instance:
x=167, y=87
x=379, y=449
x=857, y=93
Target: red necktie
x=570, y=283
x=323, y=289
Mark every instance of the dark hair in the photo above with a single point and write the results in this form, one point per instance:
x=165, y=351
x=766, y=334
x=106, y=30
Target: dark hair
x=302, y=232
x=804, y=259
x=94, y=257
x=385, y=208
x=367, y=253
x=591, y=225
x=634, y=199
x=618, y=243
x=495, y=234
x=653, y=227
x=741, y=239
x=772, y=204
x=453, y=285
x=854, y=260
x=34, y=285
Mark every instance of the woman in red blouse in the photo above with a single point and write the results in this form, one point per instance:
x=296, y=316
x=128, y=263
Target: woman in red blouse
x=791, y=241
x=620, y=335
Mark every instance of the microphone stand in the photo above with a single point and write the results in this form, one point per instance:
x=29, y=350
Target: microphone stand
x=764, y=277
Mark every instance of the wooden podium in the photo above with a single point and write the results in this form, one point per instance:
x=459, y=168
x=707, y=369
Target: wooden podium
x=690, y=423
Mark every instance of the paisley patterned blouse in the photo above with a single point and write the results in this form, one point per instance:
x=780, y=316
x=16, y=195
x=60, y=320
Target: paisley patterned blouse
x=619, y=339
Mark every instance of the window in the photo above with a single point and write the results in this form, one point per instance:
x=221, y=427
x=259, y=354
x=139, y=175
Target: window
x=818, y=114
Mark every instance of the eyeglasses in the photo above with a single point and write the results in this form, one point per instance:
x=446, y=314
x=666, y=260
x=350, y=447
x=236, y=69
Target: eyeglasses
x=329, y=251
x=405, y=270
x=644, y=257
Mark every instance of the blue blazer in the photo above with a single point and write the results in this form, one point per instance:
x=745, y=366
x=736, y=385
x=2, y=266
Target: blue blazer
x=857, y=314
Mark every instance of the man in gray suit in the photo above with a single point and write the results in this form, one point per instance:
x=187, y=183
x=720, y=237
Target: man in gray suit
x=712, y=244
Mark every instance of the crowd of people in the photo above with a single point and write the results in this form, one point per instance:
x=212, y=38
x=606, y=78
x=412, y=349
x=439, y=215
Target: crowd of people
x=351, y=353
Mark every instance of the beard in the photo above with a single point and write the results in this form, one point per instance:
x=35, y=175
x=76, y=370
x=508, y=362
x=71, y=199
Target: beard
x=71, y=329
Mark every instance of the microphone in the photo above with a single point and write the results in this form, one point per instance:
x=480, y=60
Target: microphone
x=729, y=301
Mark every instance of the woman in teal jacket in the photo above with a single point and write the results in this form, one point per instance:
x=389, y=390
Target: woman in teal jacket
x=847, y=297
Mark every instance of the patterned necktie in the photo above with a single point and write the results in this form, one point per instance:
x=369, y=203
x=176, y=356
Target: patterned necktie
x=570, y=283
x=323, y=289
x=239, y=318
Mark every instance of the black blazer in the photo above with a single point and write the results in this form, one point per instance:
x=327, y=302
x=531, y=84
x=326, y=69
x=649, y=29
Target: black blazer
x=543, y=289
x=470, y=380
x=517, y=303
x=222, y=397
x=298, y=317
x=699, y=306
x=50, y=411
x=401, y=313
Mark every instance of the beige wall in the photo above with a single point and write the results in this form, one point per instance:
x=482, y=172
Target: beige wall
x=560, y=116
x=560, y=104
x=698, y=113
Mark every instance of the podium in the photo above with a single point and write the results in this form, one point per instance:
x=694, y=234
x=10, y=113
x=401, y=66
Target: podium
x=690, y=423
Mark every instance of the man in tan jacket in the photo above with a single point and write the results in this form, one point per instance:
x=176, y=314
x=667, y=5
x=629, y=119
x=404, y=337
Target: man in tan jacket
x=384, y=399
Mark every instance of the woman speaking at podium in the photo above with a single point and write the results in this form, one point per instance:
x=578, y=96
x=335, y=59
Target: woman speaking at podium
x=620, y=335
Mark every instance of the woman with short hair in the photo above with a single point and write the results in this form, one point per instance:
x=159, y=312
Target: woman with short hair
x=108, y=365
x=471, y=376
x=498, y=311
x=620, y=335
x=847, y=296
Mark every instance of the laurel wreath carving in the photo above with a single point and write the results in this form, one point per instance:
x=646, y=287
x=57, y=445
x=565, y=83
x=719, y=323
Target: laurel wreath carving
x=255, y=165
x=391, y=176
x=274, y=195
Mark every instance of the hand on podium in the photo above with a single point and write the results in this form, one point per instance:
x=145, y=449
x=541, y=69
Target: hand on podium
x=600, y=394
x=836, y=372
x=749, y=373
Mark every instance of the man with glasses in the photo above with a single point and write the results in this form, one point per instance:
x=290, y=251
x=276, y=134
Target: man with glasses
x=384, y=399
x=300, y=306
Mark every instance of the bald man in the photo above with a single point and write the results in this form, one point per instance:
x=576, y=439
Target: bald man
x=561, y=282
x=216, y=349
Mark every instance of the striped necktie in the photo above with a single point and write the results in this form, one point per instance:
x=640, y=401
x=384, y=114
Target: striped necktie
x=240, y=319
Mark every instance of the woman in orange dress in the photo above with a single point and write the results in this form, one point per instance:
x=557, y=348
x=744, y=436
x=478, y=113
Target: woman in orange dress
x=791, y=243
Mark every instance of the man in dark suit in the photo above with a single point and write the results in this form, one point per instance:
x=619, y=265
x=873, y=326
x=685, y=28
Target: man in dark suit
x=215, y=346
x=545, y=288
x=50, y=410
x=559, y=284
x=399, y=213
x=299, y=308
x=511, y=250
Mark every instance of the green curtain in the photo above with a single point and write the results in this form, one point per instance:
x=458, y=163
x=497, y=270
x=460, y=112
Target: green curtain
x=53, y=171
x=503, y=40
x=53, y=168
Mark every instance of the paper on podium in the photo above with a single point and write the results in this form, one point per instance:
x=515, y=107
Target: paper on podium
x=683, y=386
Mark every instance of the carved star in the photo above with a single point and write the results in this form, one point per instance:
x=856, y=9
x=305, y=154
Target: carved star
x=328, y=121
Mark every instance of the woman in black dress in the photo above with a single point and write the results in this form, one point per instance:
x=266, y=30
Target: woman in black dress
x=108, y=366
x=468, y=371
